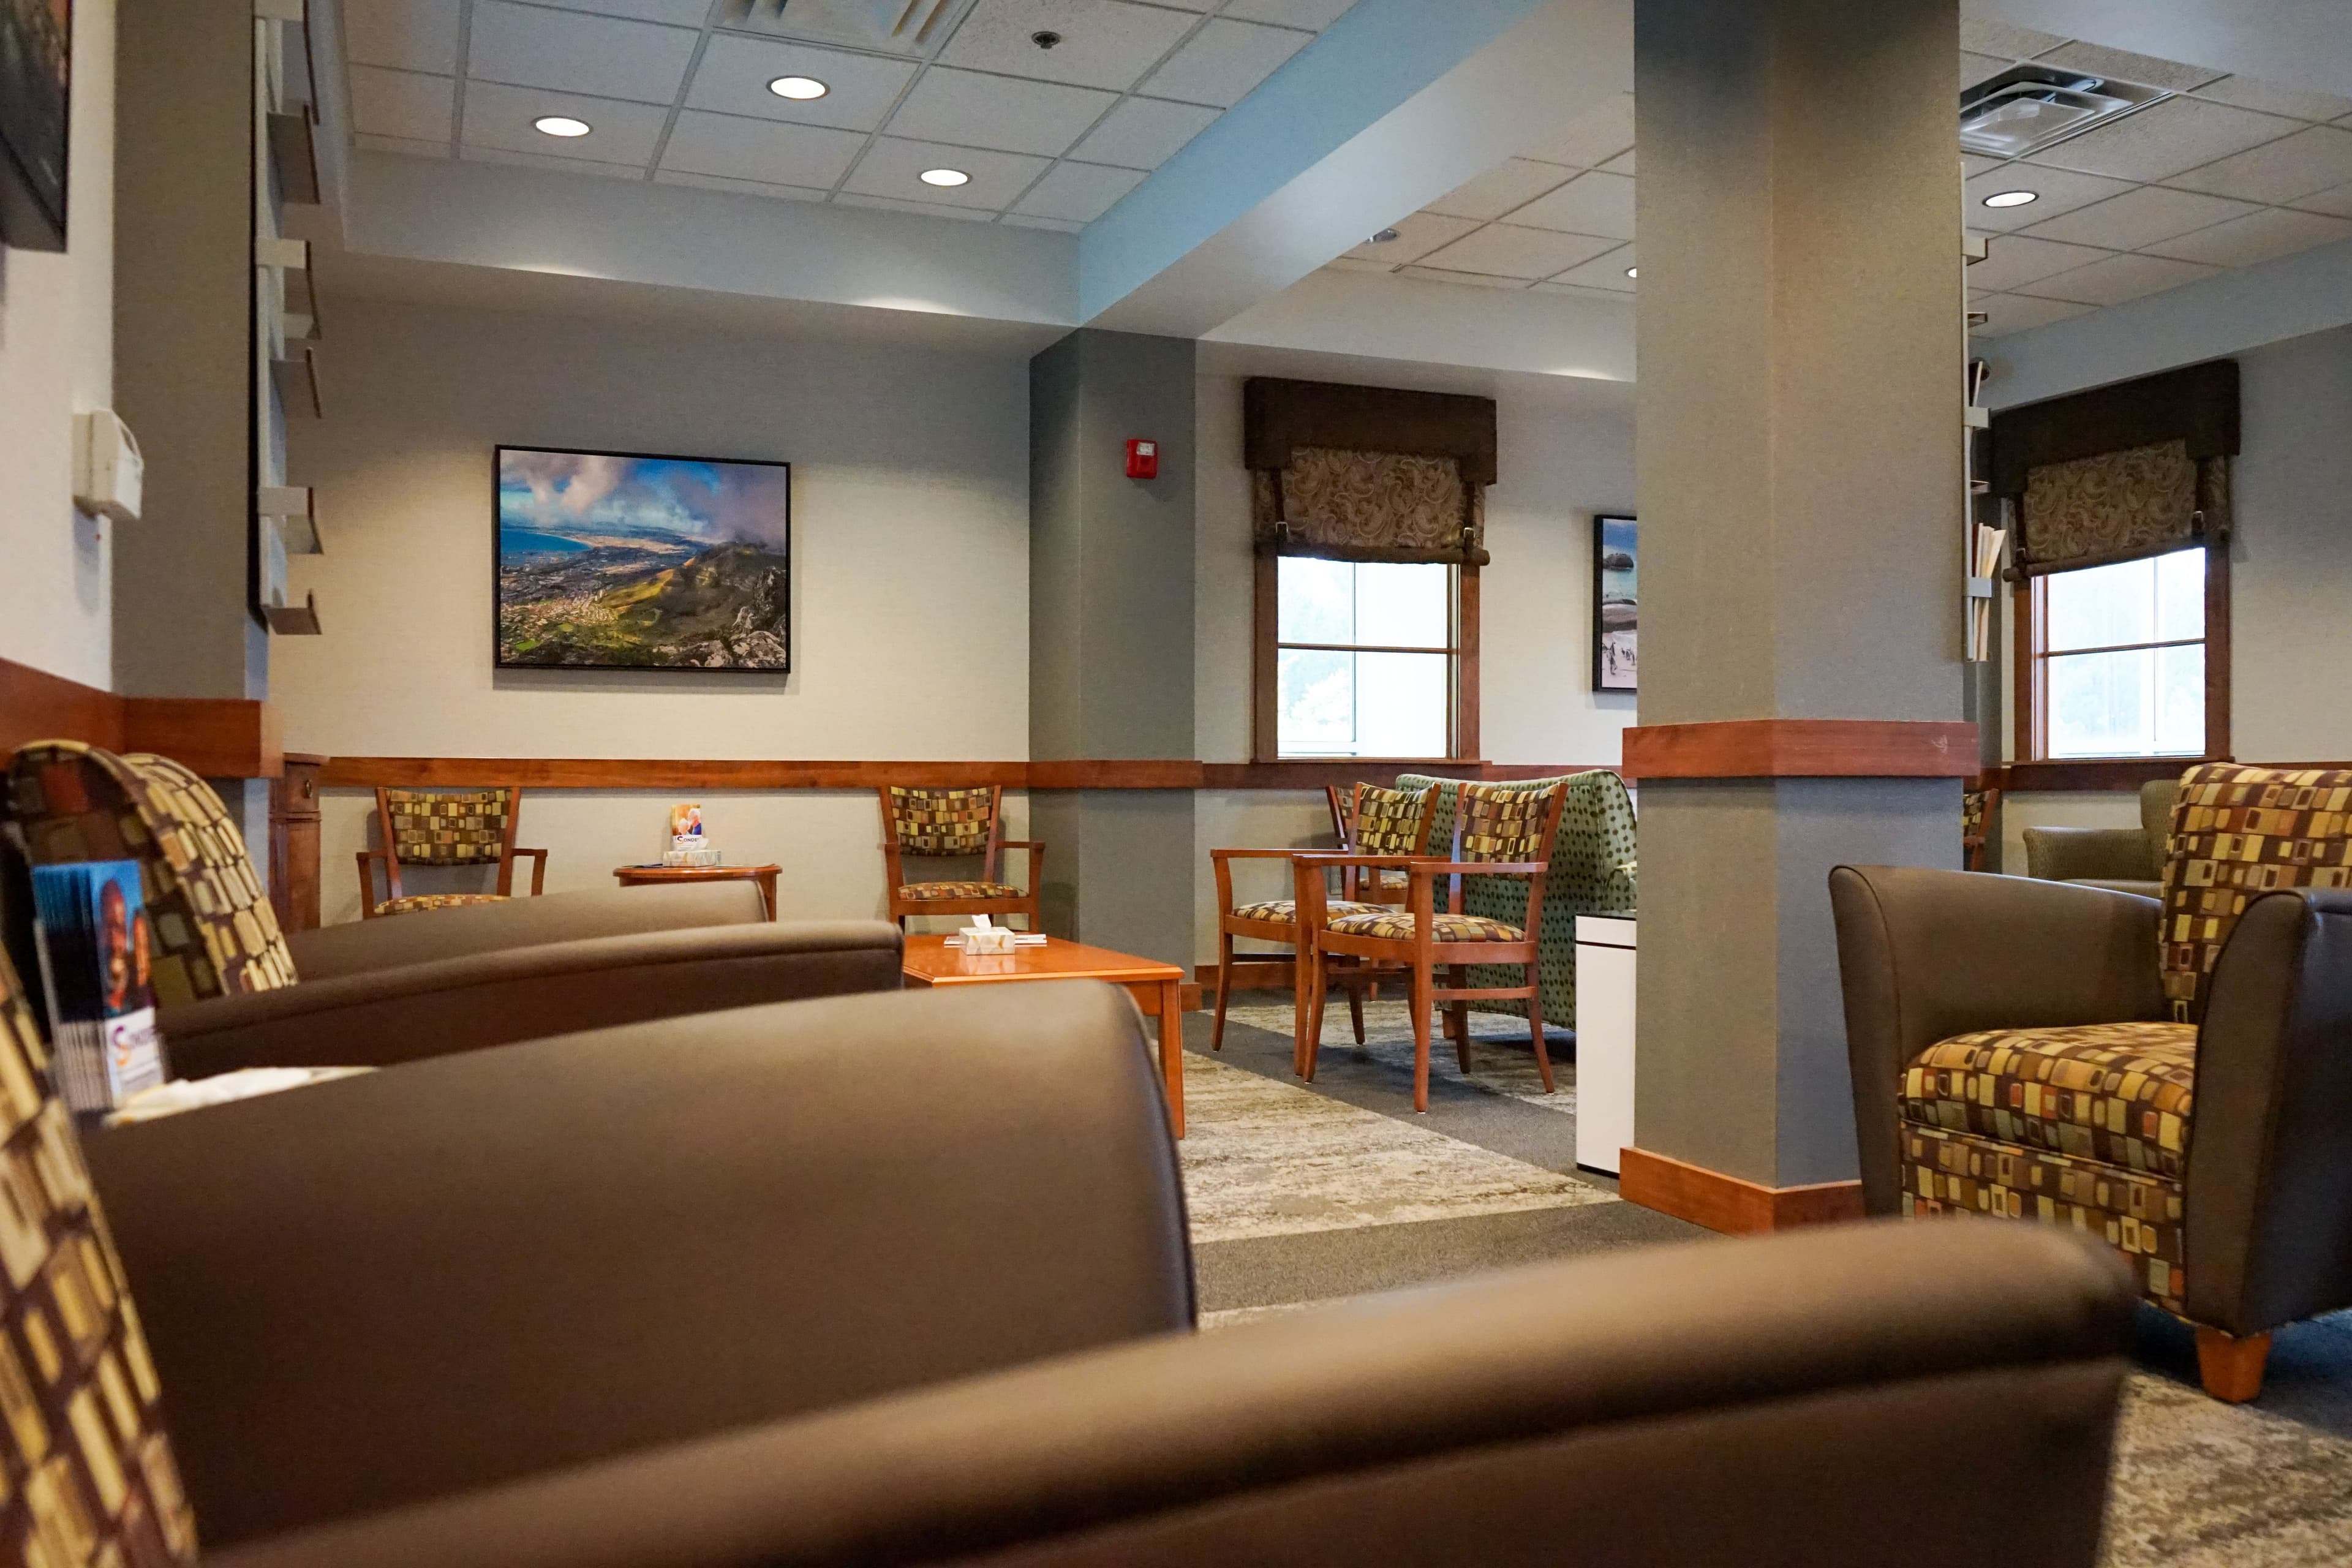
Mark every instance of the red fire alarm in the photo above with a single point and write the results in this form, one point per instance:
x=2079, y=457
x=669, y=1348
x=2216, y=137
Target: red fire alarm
x=1143, y=459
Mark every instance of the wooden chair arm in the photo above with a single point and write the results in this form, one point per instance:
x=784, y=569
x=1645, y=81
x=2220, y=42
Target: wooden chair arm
x=1349, y=857
x=1478, y=867
x=538, y=870
x=367, y=883
x=1253, y=853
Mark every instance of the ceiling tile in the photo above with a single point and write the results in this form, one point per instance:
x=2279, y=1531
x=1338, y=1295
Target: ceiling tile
x=890, y=168
x=1592, y=202
x=2139, y=216
x=367, y=144
x=2147, y=69
x=1513, y=182
x=1313, y=15
x=604, y=56
x=401, y=103
x=677, y=12
x=498, y=116
x=1505, y=251
x=2008, y=313
x=1144, y=133
x=1606, y=270
x=1620, y=164
x=923, y=209
x=1974, y=69
x=2165, y=138
x=410, y=35
x=1985, y=37
x=1105, y=43
x=2116, y=279
x=740, y=188
x=2337, y=201
x=735, y=72
x=1582, y=290
x=1222, y=62
x=1029, y=220
x=760, y=150
x=1592, y=138
x=2261, y=236
x=2061, y=190
x=1357, y=264
x=972, y=108
x=2245, y=92
x=1476, y=279
x=2316, y=158
x=1970, y=164
x=547, y=160
x=1417, y=235
x=1078, y=192
x=2015, y=259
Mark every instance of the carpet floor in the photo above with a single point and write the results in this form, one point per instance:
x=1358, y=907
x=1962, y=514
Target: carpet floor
x=1306, y=1193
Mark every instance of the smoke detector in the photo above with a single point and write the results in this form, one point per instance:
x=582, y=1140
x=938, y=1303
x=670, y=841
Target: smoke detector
x=2027, y=107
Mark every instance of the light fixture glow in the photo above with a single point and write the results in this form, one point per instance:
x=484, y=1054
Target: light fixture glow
x=1632, y=272
x=798, y=87
x=948, y=178
x=561, y=125
x=2011, y=198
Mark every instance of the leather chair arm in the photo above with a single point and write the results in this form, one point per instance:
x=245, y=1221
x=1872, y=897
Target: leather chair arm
x=387, y=1016
x=1435, y=1426
x=1926, y=954
x=2089, y=855
x=395, y=1287
x=2270, y=1211
x=358, y=947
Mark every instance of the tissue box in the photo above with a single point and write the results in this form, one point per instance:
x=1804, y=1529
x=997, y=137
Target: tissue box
x=701, y=856
x=991, y=939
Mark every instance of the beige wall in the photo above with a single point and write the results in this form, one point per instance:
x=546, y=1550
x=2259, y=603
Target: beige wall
x=909, y=576
x=57, y=357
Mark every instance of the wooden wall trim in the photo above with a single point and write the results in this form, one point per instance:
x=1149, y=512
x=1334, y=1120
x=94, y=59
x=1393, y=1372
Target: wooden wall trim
x=1176, y=773
x=1803, y=748
x=37, y=706
x=1728, y=1204
x=219, y=738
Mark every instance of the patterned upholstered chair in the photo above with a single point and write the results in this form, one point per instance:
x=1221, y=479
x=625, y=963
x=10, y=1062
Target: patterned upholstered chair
x=1497, y=833
x=1377, y=822
x=1978, y=809
x=954, y=825
x=445, y=827
x=2172, y=1075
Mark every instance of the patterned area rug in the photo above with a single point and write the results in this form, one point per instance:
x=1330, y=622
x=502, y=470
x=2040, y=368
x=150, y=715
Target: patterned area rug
x=1500, y=1059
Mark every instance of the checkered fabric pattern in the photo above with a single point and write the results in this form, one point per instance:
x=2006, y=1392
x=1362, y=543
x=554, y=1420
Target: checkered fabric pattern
x=2238, y=833
x=216, y=934
x=418, y=903
x=923, y=892
x=1389, y=821
x=2139, y=1214
x=1502, y=825
x=1397, y=925
x=942, y=821
x=1285, y=911
x=448, y=827
x=87, y=1478
x=2116, y=1093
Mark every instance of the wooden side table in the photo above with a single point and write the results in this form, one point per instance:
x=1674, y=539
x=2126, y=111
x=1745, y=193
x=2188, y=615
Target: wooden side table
x=646, y=876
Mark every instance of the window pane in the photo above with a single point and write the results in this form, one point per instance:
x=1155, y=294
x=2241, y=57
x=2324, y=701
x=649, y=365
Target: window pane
x=1399, y=606
x=2180, y=597
x=1315, y=600
x=2103, y=704
x=1317, y=703
x=2180, y=698
x=1400, y=704
x=2102, y=607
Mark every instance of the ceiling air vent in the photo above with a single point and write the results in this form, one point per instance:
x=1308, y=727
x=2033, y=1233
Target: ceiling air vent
x=901, y=27
x=2028, y=107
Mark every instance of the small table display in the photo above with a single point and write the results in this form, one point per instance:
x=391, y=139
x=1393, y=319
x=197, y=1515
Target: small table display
x=642, y=875
x=1158, y=988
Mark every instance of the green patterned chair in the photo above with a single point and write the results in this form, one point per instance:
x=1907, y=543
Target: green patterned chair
x=1591, y=873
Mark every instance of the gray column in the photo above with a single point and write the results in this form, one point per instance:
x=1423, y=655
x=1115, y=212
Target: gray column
x=1110, y=633
x=1801, y=345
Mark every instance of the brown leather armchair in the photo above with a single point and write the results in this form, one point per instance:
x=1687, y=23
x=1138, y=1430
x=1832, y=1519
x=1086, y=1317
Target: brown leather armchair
x=722, y=1291
x=2124, y=860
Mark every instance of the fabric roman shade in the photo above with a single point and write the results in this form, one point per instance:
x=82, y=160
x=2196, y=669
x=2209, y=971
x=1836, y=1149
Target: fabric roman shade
x=1359, y=473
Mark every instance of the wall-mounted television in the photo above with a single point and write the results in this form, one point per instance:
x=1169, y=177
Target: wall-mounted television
x=625, y=561
x=36, y=78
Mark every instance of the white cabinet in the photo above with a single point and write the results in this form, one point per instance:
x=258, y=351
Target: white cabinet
x=1604, y=1038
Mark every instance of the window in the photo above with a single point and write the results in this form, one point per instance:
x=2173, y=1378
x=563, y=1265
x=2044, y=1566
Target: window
x=1364, y=659
x=2118, y=659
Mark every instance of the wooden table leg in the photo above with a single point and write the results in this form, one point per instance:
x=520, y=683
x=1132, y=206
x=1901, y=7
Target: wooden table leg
x=767, y=881
x=1171, y=1050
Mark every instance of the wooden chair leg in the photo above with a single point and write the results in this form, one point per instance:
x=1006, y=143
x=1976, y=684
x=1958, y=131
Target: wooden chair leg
x=1535, y=1029
x=2231, y=1368
x=1225, y=988
x=1356, y=1007
x=1311, y=1041
x=1457, y=1018
x=1422, y=984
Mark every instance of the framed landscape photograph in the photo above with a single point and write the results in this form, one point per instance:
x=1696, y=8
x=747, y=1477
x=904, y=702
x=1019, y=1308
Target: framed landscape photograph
x=624, y=561
x=1616, y=603
x=35, y=77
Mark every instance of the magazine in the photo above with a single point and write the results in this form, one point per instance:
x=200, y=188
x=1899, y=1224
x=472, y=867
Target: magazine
x=94, y=953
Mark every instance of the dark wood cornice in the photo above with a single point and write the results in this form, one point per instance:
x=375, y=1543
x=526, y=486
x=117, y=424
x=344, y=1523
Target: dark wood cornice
x=218, y=738
x=1803, y=748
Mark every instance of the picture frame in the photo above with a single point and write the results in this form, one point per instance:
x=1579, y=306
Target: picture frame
x=36, y=121
x=640, y=561
x=1616, y=603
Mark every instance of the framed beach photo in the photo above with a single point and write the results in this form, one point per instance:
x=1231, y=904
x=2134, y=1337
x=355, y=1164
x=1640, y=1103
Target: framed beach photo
x=1616, y=603
x=36, y=83
x=625, y=561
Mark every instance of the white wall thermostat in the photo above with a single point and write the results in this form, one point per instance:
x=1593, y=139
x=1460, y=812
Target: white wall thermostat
x=109, y=473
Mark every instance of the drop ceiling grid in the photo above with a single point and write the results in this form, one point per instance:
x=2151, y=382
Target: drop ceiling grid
x=2230, y=173
x=396, y=46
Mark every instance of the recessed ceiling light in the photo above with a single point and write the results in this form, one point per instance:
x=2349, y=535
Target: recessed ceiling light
x=798, y=87
x=2011, y=198
x=561, y=125
x=1632, y=272
x=945, y=177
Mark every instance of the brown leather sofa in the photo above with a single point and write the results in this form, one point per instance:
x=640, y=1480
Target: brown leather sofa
x=904, y=1280
x=2123, y=859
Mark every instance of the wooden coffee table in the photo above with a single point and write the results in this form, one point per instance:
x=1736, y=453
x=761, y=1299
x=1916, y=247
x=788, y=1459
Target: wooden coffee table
x=654, y=876
x=1158, y=988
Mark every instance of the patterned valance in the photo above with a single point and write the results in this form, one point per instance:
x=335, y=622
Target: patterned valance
x=1369, y=506
x=2121, y=506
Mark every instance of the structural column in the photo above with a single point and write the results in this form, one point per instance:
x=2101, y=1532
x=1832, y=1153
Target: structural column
x=1110, y=633
x=1801, y=345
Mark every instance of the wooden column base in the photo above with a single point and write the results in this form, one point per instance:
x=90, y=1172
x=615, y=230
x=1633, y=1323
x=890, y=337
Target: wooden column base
x=2231, y=1369
x=1728, y=1204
